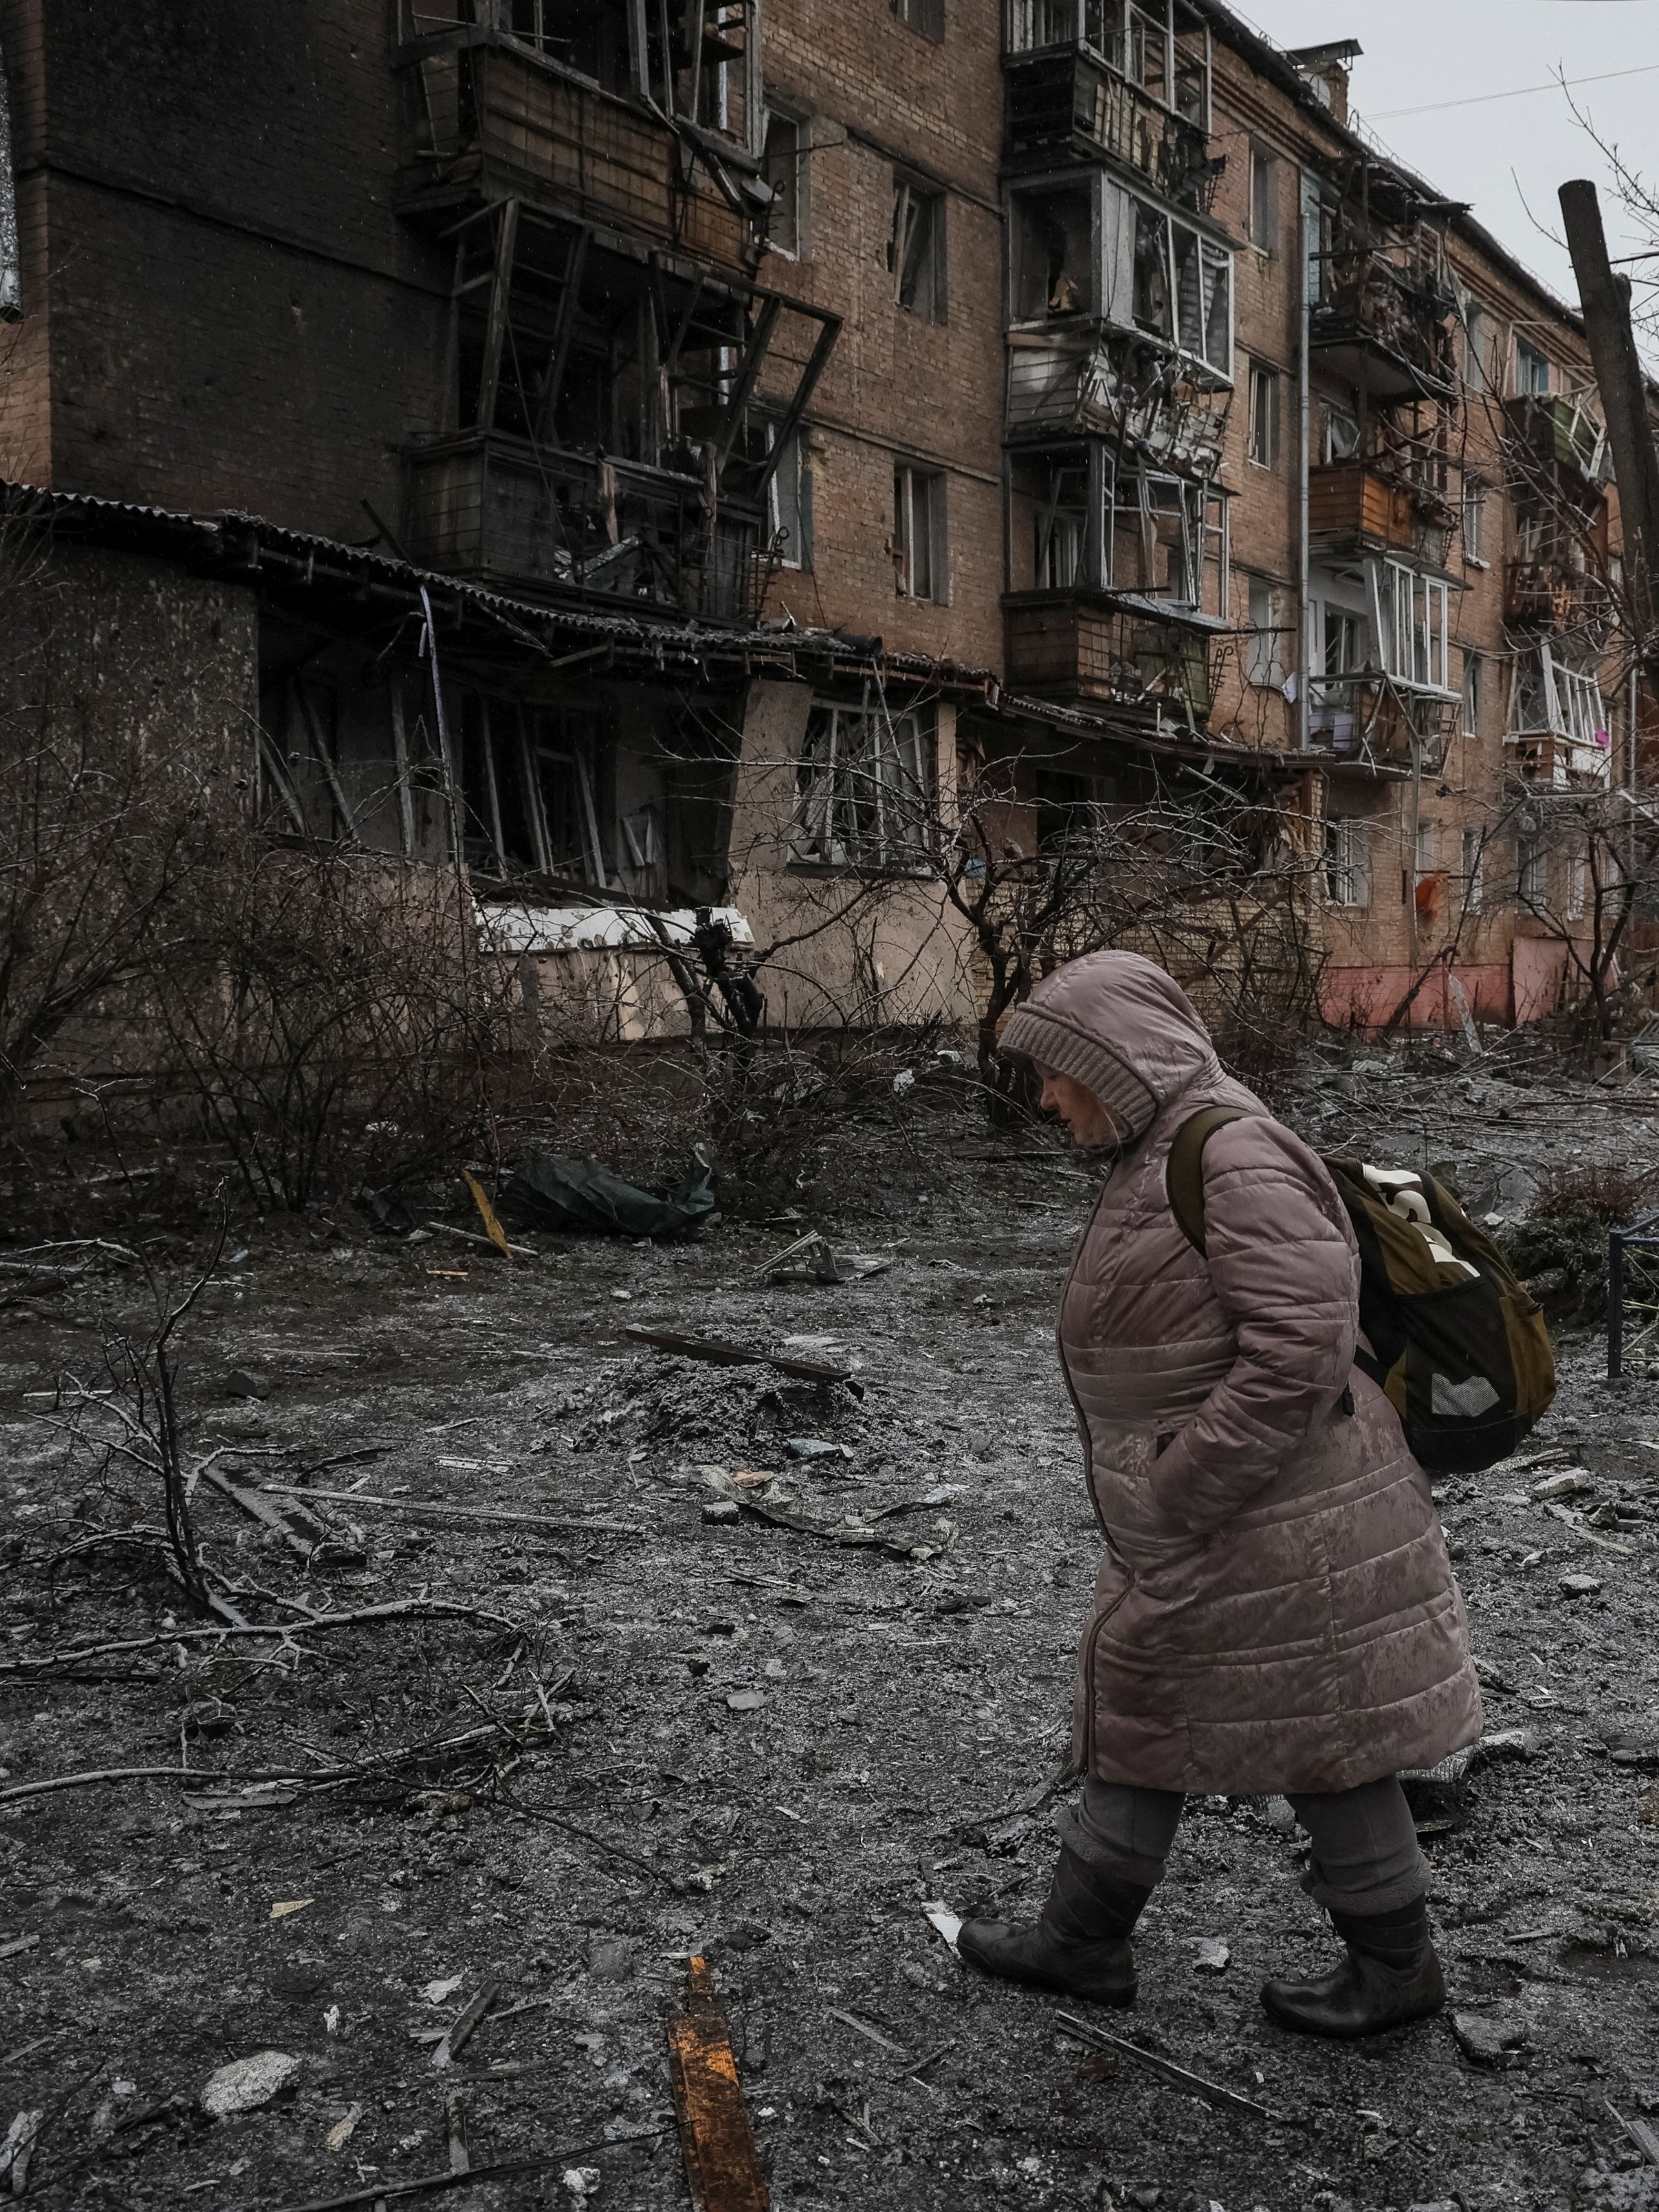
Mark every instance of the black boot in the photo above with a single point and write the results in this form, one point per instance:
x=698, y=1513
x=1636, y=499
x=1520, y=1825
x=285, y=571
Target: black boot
x=1078, y=1947
x=1389, y=1976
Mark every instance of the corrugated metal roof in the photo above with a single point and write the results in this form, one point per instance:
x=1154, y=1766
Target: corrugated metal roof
x=209, y=540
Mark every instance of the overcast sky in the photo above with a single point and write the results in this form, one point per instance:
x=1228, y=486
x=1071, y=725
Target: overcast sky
x=1506, y=155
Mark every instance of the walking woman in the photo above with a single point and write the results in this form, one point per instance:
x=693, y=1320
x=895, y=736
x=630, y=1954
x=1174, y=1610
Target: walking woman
x=1276, y=1611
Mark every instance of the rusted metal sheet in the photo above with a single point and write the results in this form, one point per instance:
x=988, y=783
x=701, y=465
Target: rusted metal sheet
x=722, y=2164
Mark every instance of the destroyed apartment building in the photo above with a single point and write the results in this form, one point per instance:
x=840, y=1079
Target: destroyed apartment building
x=657, y=458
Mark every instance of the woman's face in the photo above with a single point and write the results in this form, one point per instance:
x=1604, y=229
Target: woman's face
x=1089, y=1121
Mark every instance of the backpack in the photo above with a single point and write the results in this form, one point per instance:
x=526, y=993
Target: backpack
x=1457, y=1346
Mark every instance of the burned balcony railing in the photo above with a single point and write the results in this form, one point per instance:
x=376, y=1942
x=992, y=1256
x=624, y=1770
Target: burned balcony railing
x=1367, y=721
x=1078, y=381
x=1557, y=594
x=1075, y=646
x=490, y=506
x=490, y=120
x=1385, y=327
x=1558, y=434
x=1551, y=760
x=1062, y=99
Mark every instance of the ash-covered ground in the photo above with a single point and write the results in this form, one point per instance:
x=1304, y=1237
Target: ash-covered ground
x=750, y=1742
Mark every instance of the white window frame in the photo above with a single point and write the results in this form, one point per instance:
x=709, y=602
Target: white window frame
x=1475, y=520
x=1411, y=620
x=1269, y=633
x=1474, y=870
x=1526, y=356
x=1347, y=860
x=798, y=554
x=862, y=787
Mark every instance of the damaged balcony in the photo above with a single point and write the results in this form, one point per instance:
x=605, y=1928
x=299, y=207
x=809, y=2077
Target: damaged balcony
x=1382, y=697
x=1384, y=321
x=1557, y=594
x=1547, y=436
x=1558, y=737
x=1076, y=646
x=1087, y=78
x=588, y=107
x=615, y=424
x=1370, y=505
x=1117, y=578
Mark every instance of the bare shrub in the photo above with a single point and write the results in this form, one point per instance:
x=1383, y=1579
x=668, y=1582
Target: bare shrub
x=333, y=1021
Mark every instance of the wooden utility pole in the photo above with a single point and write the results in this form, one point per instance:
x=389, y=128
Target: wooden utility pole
x=1605, y=301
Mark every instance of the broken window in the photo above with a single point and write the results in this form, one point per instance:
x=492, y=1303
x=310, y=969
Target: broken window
x=1475, y=520
x=1532, y=871
x=1183, y=288
x=1411, y=615
x=1477, y=350
x=1473, y=688
x=1347, y=860
x=1264, y=199
x=926, y=16
x=534, y=788
x=1054, y=272
x=789, y=501
x=785, y=171
x=1062, y=548
x=1339, y=433
x=1532, y=370
x=862, y=788
x=1167, y=538
x=1474, y=868
x=1269, y=630
x=915, y=249
x=919, y=547
x=1344, y=642
x=1264, y=414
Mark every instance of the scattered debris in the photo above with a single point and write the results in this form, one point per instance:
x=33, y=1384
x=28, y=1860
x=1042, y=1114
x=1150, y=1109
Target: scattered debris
x=722, y=2165
x=493, y=1229
x=461, y=2027
x=1210, y=1954
x=242, y=1382
x=1645, y=2138
x=248, y=2084
x=948, y=1923
x=810, y=1259
x=1211, y=2092
x=1491, y=2039
x=815, y=1448
x=340, y=2134
x=292, y=1905
x=736, y=1355
x=1567, y=1483
x=871, y=2034
x=436, y=1511
x=17, y=2149
x=779, y=1503
x=1579, y=1585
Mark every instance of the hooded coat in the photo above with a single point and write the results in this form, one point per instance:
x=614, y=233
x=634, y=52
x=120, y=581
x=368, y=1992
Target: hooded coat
x=1275, y=1610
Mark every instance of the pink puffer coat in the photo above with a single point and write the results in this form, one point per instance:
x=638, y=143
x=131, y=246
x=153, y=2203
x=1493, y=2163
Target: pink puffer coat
x=1275, y=1610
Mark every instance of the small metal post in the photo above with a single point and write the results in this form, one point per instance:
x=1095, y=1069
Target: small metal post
x=1615, y=1305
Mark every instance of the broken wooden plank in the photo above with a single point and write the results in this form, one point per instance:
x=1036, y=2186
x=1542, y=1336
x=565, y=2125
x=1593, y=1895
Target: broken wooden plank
x=460, y=2028
x=722, y=2165
x=267, y=1514
x=424, y=1509
x=493, y=1228
x=721, y=1354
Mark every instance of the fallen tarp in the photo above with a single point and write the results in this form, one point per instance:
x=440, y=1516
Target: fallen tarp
x=547, y=1193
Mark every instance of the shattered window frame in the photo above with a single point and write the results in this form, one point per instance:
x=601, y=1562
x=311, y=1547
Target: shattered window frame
x=1347, y=860
x=863, y=786
x=1268, y=630
x=1264, y=198
x=789, y=501
x=1183, y=287
x=1411, y=621
x=916, y=247
x=788, y=171
x=920, y=542
x=1262, y=447
x=1474, y=870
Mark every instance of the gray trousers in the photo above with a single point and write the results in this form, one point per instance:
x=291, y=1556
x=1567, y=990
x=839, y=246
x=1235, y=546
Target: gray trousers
x=1366, y=1857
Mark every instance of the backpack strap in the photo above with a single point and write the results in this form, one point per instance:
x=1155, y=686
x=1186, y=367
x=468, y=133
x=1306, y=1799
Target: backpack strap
x=1183, y=1174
